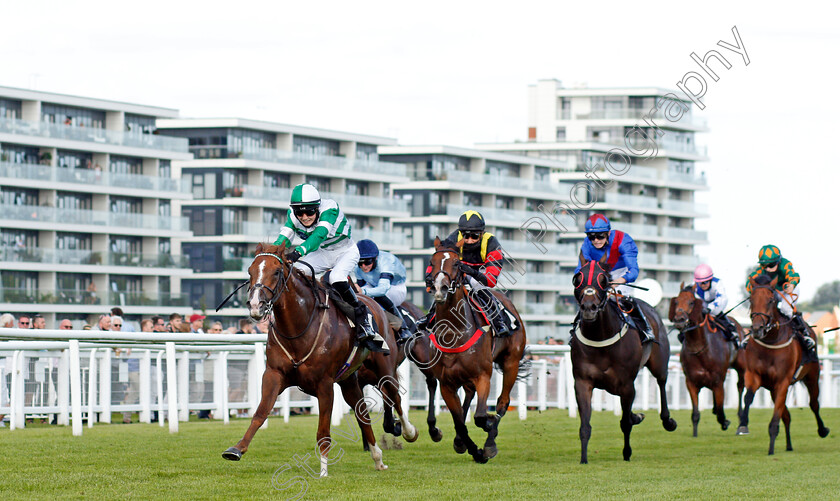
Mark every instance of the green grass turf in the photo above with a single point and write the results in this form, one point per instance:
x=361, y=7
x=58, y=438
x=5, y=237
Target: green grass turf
x=538, y=459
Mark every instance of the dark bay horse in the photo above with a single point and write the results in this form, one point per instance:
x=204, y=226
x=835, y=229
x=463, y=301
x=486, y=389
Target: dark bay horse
x=773, y=359
x=418, y=351
x=467, y=352
x=608, y=354
x=705, y=356
x=311, y=345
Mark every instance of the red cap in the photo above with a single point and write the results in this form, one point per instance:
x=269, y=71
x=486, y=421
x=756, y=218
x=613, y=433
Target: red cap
x=197, y=317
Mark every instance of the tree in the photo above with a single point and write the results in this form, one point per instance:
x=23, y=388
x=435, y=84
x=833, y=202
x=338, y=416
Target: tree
x=826, y=297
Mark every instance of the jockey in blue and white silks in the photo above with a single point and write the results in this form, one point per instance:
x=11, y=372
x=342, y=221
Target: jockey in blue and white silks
x=381, y=276
x=709, y=289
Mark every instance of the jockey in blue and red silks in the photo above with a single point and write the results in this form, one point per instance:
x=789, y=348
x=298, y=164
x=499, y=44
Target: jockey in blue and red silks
x=481, y=261
x=621, y=254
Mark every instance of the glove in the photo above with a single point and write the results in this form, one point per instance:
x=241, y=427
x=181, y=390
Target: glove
x=293, y=256
x=467, y=269
x=430, y=282
x=706, y=310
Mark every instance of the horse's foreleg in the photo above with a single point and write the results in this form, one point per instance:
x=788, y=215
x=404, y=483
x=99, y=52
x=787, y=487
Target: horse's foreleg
x=786, y=421
x=752, y=384
x=355, y=399
x=510, y=371
x=450, y=396
x=325, y=404
x=664, y=414
x=272, y=384
x=391, y=394
x=779, y=395
x=583, y=395
x=628, y=419
x=431, y=420
x=741, y=385
x=485, y=421
x=695, y=408
x=718, y=397
x=458, y=442
x=812, y=382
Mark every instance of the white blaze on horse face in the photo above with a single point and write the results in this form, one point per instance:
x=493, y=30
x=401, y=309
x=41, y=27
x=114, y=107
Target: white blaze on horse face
x=255, y=296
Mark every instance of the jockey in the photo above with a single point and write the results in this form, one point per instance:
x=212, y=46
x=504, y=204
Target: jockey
x=621, y=253
x=381, y=276
x=327, y=245
x=710, y=290
x=481, y=260
x=772, y=263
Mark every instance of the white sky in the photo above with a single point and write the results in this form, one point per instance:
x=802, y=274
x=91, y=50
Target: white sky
x=456, y=73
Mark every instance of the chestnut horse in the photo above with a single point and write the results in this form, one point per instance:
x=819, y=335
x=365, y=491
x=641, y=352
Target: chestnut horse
x=311, y=344
x=705, y=356
x=418, y=350
x=465, y=352
x=773, y=360
x=608, y=354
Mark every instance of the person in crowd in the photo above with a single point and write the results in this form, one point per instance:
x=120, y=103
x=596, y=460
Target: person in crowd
x=158, y=324
x=24, y=322
x=39, y=322
x=104, y=323
x=197, y=324
x=65, y=324
x=245, y=326
x=176, y=323
x=7, y=321
x=127, y=327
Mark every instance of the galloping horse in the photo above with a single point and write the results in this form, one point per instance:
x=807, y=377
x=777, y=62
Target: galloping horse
x=311, y=345
x=608, y=354
x=705, y=356
x=774, y=361
x=417, y=349
x=466, y=352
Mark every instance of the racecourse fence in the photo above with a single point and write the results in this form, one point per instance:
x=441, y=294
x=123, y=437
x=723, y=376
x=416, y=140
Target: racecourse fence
x=80, y=378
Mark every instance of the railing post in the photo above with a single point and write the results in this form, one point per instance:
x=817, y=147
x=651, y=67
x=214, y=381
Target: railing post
x=64, y=388
x=335, y=417
x=160, y=397
x=92, y=387
x=542, y=384
x=522, y=400
x=561, y=384
x=404, y=372
x=75, y=386
x=184, y=386
x=172, y=387
x=145, y=387
x=105, y=386
x=221, y=386
x=571, y=396
x=826, y=397
x=15, y=393
x=284, y=405
x=256, y=367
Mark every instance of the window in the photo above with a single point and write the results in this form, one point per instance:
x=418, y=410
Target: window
x=126, y=205
x=165, y=169
x=356, y=188
x=72, y=287
x=202, y=220
x=472, y=199
x=232, y=219
x=276, y=180
x=18, y=196
x=504, y=202
x=139, y=124
x=203, y=183
x=165, y=208
x=233, y=181
x=501, y=169
x=73, y=241
x=315, y=147
x=74, y=159
x=10, y=108
x=164, y=246
x=72, y=116
x=126, y=165
x=20, y=286
x=366, y=152
x=274, y=216
x=18, y=239
x=322, y=184
x=18, y=154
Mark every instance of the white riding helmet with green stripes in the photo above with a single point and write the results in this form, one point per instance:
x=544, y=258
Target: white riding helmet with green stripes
x=305, y=195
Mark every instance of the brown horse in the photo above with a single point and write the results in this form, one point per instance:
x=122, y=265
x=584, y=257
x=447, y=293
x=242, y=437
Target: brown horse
x=774, y=361
x=418, y=350
x=311, y=345
x=466, y=352
x=608, y=354
x=705, y=356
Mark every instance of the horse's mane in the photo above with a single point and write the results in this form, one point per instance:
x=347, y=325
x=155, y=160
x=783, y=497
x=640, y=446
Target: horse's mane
x=763, y=280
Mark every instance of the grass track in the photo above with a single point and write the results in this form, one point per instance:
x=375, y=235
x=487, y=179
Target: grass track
x=538, y=459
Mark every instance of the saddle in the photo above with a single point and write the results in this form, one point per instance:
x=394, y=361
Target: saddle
x=508, y=317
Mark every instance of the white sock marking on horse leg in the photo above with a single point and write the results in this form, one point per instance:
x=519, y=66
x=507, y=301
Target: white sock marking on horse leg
x=376, y=454
x=409, y=431
x=324, y=464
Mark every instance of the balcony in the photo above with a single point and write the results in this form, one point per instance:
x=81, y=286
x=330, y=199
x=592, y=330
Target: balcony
x=631, y=200
x=88, y=257
x=81, y=297
x=683, y=206
x=538, y=309
x=324, y=162
x=108, y=220
x=685, y=234
x=682, y=261
x=269, y=231
x=638, y=114
x=345, y=201
x=92, y=135
x=635, y=229
x=37, y=172
x=499, y=181
x=554, y=251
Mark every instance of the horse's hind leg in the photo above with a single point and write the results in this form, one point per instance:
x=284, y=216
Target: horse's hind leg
x=695, y=408
x=583, y=395
x=665, y=415
x=718, y=409
x=431, y=420
x=390, y=389
x=779, y=395
x=325, y=396
x=628, y=419
x=458, y=442
x=510, y=371
x=355, y=399
x=485, y=421
x=786, y=421
x=272, y=384
x=812, y=382
x=752, y=385
x=450, y=396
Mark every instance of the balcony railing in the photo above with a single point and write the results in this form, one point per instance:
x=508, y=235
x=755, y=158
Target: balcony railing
x=474, y=178
x=683, y=206
x=631, y=200
x=552, y=250
x=90, y=177
x=93, y=135
x=323, y=161
x=637, y=114
x=685, y=234
x=345, y=201
x=635, y=229
x=538, y=309
x=35, y=214
x=269, y=231
x=88, y=257
x=82, y=297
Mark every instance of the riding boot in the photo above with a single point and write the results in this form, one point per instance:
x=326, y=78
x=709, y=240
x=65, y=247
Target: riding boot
x=426, y=323
x=801, y=327
x=642, y=325
x=728, y=329
x=403, y=334
x=365, y=334
x=494, y=312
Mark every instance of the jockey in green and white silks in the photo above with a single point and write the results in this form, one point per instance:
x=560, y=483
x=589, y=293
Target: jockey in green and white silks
x=324, y=233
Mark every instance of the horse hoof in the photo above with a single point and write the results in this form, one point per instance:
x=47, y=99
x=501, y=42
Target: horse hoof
x=490, y=452
x=627, y=455
x=397, y=431
x=479, y=457
x=823, y=432
x=232, y=454
x=459, y=446
x=669, y=424
x=637, y=418
x=436, y=435
x=742, y=430
x=724, y=425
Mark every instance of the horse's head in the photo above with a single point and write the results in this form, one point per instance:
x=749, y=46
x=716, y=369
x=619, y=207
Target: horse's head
x=269, y=273
x=591, y=285
x=446, y=274
x=763, y=310
x=682, y=306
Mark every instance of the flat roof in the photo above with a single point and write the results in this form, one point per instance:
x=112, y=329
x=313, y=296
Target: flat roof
x=86, y=102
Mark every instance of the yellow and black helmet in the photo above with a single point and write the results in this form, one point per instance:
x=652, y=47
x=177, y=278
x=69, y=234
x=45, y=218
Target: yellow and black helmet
x=471, y=221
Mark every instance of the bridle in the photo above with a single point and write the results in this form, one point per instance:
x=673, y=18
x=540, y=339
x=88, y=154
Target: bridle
x=457, y=280
x=282, y=279
x=767, y=323
x=589, y=289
